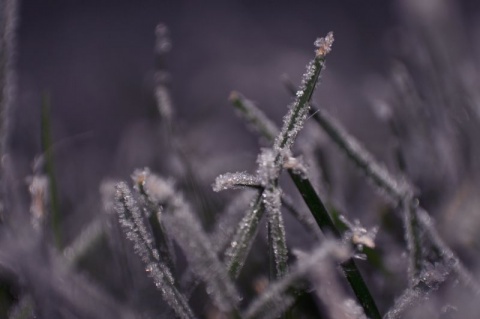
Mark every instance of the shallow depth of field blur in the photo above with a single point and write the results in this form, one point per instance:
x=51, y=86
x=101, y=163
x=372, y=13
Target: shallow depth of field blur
x=413, y=63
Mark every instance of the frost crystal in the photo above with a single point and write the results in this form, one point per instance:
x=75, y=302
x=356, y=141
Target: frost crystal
x=235, y=180
x=324, y=45
x=358, y=235
x=297, y=165
x=267, y=170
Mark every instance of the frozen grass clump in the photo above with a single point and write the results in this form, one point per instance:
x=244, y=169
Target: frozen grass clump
x=166, y=248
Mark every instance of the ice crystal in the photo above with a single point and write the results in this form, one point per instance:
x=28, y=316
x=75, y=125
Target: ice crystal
x=267, y=169
x=235, y=180
x=324, y=45
x=297, y=165
x=358, y=235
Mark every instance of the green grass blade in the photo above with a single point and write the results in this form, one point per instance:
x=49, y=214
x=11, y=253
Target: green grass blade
x=324, y=221
x=237, y=252
x=47, y=149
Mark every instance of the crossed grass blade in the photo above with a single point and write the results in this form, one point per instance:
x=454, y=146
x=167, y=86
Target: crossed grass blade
x=293, y=122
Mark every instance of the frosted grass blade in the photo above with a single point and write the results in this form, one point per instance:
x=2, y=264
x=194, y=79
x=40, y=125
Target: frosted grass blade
x=413, y=239
x=276, y=233
x=273, y=302
x=224, y=229
x=254, y=116
x=146, y=184
x=182, y=225
x=131, y=221
x=235, y=181
x=237, y=252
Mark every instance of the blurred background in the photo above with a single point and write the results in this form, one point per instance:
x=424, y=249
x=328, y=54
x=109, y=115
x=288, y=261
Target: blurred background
x=412, y=61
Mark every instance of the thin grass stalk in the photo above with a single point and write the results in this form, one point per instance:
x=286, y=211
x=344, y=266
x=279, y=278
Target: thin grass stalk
x=142, y=180
x=412, y=237
x=254, y=116
x=237, y=252
x=8, y=25
x=48, y=151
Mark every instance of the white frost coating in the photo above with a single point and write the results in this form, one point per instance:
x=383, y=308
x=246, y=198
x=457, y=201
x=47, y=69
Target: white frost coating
x=359, y=235
x=274, y=296
x=235, y=181
x=272, y=200
x=38, y=188
x=132, y=223
x=159, y=190
x=182, y=225
x=324, y=45
x=297, y=165
x=267, y=170
x=295, y=119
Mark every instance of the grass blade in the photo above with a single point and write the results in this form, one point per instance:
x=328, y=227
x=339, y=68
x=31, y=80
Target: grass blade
x=237, y=252
x=145, y=184
x=135, y=230
x=47, y=150
x=278, y=298
x=324, y=221
x=254, y=116
x=187, y=231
